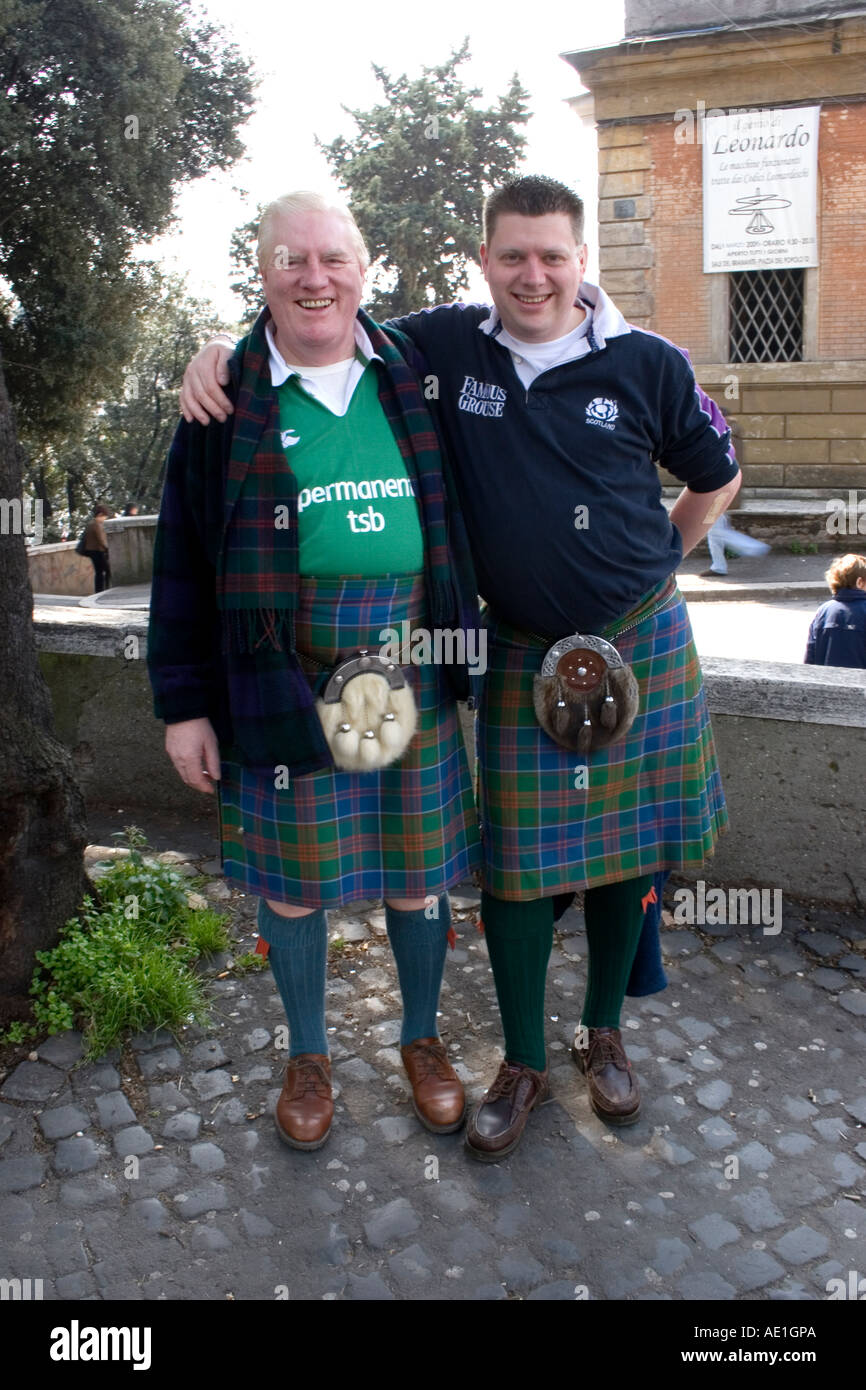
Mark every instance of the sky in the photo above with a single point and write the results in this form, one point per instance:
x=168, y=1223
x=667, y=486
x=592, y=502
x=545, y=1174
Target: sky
x=314, y=59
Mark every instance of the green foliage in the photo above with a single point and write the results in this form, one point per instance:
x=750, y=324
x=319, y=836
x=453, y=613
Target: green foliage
x=250, y=963
x=124, y=963
x=417, y=174
x=206, y=932
x=133, y=837
x=118, y=455
x=19, y=1032
x=106, y=106
x=247, y=283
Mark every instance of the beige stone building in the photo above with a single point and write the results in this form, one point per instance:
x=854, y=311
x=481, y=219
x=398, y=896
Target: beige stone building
x=782, y=350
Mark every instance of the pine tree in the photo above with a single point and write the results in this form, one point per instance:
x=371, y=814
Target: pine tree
x=416, y=175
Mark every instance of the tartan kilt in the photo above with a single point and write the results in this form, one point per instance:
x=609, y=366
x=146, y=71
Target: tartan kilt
x=330, y=837
x=653, y=801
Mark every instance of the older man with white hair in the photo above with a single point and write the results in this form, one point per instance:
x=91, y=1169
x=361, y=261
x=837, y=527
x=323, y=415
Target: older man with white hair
x=341, y=775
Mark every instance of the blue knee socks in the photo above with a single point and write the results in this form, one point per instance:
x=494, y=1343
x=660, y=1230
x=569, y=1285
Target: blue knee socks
x=298, y=956
x=419, y=943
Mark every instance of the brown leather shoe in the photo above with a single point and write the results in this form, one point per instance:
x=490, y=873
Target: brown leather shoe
x=437, y=1091
x=305, y=1107
x=613, y=1090
x=497, y=1124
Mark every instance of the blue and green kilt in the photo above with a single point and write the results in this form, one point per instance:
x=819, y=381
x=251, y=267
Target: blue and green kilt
x=330, y=837
x=554, y=821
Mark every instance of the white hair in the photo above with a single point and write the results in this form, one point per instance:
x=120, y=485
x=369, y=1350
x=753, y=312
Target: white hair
x=305, y=201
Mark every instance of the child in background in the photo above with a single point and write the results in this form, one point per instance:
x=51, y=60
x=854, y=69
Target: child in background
x=837, y=634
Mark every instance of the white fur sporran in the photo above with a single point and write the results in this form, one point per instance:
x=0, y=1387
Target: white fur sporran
x=368, y=713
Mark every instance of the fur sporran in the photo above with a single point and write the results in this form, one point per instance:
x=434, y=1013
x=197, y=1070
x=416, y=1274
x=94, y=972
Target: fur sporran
x=368, y=713
x=585, y=696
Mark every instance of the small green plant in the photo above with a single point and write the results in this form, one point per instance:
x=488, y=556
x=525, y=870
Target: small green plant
x=124, y=962
x=206, y=931
x=133, y=835
x=250, y=961
x=337, y=945
x=19, y=1032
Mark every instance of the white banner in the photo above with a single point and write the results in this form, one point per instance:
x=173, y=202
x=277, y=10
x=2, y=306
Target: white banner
x=760, y=179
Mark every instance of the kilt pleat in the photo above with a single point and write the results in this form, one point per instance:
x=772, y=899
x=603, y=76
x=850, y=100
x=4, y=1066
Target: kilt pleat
x=331, y=837
x=554, y=821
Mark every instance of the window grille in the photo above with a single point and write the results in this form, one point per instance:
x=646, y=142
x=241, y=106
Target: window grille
x=766, y=316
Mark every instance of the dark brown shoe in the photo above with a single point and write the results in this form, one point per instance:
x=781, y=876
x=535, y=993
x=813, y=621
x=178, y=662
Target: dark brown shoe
x=497, y=1124
x=305, y=1107
x=613, y=1090
x=437, y=1091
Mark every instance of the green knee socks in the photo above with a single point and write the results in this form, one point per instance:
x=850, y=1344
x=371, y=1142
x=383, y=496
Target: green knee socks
x=519, y=937
x=614, y=918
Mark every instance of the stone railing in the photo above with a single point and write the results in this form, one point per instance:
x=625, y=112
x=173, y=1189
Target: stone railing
x=56, y=569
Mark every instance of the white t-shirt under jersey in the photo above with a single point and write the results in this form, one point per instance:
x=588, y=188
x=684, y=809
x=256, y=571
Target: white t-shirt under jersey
x=531, y=359
x=333, y=385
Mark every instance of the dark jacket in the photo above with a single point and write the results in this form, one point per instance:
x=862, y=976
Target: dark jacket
x=837, y=635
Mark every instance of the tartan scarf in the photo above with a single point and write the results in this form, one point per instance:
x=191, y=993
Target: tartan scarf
x=257, y=578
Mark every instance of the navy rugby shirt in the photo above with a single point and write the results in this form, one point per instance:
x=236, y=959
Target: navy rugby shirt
x=585, y=434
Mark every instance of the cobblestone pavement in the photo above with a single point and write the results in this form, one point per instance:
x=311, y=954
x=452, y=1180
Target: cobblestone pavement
x=157, y=1173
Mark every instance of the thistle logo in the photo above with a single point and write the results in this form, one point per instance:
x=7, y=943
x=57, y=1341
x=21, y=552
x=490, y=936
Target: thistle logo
x=289, y=437
x=603, y=412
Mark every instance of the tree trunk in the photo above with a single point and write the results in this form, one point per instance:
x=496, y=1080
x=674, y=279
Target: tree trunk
x=39, y=487
x=42, y=816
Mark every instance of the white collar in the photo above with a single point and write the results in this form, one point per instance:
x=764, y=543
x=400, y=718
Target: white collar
x=281, y=371
x=607, y=321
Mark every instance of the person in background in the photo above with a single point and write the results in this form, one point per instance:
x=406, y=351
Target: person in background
x=96, y=548
x=837, y=633
x=722, y=535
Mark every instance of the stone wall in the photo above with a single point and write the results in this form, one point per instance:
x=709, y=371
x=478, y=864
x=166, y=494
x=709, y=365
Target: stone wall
x=803, y=423
x=56, y=569
x=625, y=228
x=103, y=709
